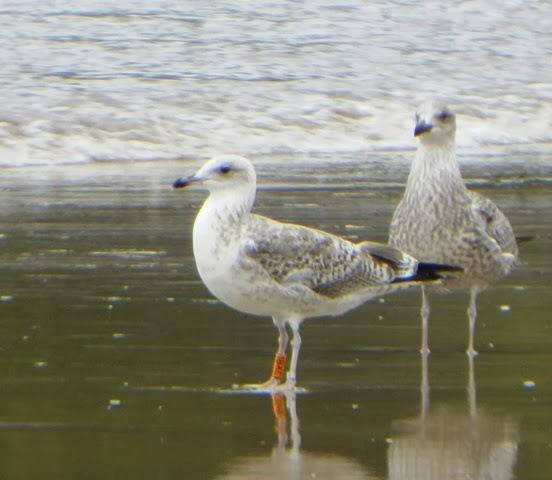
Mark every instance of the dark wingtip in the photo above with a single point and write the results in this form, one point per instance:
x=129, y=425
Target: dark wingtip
x=525, y=238
x=436, y=268
x=439, y=267
x=428, y=271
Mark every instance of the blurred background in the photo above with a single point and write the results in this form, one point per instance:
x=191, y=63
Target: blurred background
x=124, y=81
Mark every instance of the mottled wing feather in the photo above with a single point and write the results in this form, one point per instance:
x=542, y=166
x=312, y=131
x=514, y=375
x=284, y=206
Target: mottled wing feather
x=494, y=222
x=401, y=263
x=328, y=265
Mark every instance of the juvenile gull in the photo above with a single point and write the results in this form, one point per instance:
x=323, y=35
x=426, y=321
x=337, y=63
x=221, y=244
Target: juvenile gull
x=288, y=272
x=438, y=218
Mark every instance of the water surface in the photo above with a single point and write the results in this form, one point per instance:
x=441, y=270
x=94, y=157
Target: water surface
x=116, y=361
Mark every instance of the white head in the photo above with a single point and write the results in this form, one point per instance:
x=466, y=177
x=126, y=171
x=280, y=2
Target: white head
x=227, y=173
x=435, y=124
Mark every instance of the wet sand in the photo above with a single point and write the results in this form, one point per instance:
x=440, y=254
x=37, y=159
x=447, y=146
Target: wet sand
x=115, y=359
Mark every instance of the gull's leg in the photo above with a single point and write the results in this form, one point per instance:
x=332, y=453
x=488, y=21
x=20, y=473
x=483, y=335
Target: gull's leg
x=279, y=364
x=472, y=317
x=472, y=388
x=295, y=348
x=424, y=387
x=424, y=312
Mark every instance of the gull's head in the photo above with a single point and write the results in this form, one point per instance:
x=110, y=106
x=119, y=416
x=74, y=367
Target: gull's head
x=224, y=173
x=435, y=124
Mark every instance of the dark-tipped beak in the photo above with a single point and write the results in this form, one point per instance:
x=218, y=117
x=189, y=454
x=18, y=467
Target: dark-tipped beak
x=185, y=181
x=422, y=127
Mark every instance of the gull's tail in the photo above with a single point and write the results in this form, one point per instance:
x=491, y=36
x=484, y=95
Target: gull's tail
x=428, y=271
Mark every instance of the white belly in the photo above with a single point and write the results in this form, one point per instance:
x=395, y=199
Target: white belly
x=217, y=260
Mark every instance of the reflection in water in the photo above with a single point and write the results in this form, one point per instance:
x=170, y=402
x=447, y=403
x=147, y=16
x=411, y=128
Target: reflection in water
x=442, y=443
x=449, y=444
x=287, y=461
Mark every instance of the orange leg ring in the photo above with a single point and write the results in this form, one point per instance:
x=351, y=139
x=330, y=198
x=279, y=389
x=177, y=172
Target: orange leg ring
x=279, y=367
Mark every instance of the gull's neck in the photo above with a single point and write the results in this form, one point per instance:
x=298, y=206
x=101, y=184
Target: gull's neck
x=435, y=170
x=226, y=208
x=217, y=232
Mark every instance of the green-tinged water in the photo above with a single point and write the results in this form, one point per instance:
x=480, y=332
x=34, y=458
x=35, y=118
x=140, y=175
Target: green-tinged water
x=115, y=362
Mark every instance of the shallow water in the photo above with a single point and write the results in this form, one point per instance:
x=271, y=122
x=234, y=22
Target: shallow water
x=116, y=362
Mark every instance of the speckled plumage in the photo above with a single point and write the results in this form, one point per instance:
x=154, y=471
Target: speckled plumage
x=329, y=266
x=286, y=271
x=264, y=267
x=440, y=220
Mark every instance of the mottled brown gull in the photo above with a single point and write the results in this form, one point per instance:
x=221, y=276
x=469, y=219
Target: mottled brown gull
x=439, y=219
x=285, y=271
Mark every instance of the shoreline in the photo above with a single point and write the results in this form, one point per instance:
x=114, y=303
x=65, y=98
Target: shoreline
x=283, y=172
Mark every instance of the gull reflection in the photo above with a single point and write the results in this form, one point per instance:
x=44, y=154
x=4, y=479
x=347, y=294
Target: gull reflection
x=443, y=443
x=287, y=460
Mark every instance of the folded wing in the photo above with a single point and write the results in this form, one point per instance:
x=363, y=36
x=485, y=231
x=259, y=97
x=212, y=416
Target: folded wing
x=329, y=265
x=494, y=223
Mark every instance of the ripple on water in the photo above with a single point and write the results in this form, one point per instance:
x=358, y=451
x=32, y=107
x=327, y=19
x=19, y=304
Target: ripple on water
x=130, y=254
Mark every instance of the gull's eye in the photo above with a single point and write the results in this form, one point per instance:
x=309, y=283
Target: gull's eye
x=444, y=116
x=224, y=169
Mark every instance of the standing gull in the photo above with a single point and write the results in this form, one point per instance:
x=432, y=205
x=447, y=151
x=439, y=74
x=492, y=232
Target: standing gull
x=288, y=272
x=438, y=218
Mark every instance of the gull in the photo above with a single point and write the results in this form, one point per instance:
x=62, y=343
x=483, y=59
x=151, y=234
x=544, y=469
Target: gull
x=285, y=271
x=438, y=218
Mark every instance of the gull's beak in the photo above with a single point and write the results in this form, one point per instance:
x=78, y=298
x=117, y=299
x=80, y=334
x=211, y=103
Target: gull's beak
x=422, y=127
x=185, y=181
